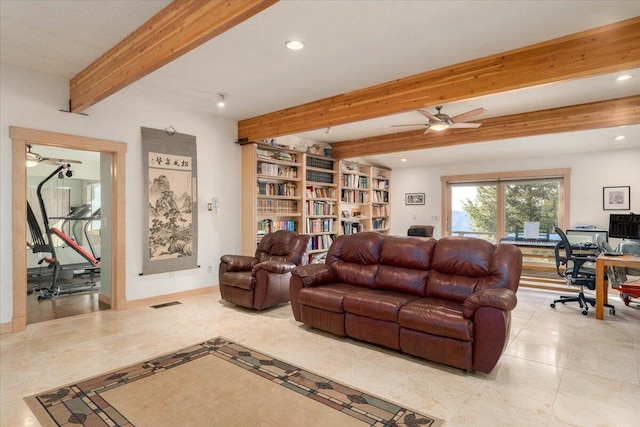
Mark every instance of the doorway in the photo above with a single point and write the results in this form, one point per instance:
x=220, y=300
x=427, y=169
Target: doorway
x=68, y=201
x=113, y=160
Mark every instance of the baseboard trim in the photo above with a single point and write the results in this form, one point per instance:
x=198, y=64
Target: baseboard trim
x=6, y=328
x=161, y=299
x=106, y=299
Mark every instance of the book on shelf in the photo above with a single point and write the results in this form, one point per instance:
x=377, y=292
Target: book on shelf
x=269, y=226
x=322, y=242
x=277, y=206
x=283, y=155
x=271, y=169
x=317, y=192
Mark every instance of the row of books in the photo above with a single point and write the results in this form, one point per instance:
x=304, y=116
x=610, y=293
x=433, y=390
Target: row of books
x=352, y=227
x=319, y=225
x=277, y=189
x=379, y=223
x=277, y=170
x=320, y=242
x=320, y=176
x=321, y=208
x=277, y=155
x=321, y=192
x=382, y=184
x=277, y=206
x=315, y=162
x=269, y=226
x=355, y=181
x=354, y=196
x=380, y=196
x=379, y=210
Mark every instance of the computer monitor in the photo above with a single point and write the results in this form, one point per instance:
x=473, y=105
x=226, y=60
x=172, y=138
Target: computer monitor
x=624, y=226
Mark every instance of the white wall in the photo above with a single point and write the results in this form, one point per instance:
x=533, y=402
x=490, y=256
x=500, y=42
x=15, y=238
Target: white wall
x=589, y=173
x=32, y=100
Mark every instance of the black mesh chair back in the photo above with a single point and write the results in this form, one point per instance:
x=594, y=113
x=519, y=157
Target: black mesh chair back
x=574, y=269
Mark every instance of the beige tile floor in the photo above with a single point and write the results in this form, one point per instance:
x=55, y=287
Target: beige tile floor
x=560, y=368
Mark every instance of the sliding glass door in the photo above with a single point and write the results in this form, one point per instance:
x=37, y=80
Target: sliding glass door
x=474, y=210
x=494, y=206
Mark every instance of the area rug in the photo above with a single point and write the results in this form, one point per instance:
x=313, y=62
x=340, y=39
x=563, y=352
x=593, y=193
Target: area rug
x=217, y=383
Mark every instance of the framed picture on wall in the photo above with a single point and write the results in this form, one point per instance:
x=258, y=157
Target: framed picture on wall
x=616, y=198
x=414, y=198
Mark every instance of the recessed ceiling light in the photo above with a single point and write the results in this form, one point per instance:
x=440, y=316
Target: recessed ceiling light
x=623, y=77
x=403, y=160
x=294, y=44
x=619, y=137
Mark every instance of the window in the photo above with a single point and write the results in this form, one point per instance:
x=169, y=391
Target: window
x=93, y=198
x=493, y=206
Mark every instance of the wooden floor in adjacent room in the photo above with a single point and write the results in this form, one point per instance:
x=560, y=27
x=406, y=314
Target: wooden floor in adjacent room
x=62, y=306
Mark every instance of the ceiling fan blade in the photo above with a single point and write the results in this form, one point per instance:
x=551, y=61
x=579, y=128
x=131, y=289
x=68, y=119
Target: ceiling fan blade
x=465, y=125
x=468, y=115
x=414, y=124
x=428, y=115
x=428, y=130
x=53, y=161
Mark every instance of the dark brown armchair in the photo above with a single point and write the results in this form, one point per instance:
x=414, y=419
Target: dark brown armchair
x=263, y=281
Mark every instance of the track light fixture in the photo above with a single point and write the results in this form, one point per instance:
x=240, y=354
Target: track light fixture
x=221, y=102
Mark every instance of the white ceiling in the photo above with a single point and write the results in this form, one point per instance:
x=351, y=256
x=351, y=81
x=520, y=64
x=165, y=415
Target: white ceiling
x=349, y=45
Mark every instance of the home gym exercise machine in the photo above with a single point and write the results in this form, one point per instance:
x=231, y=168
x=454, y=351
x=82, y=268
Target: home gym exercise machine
x=39, y=245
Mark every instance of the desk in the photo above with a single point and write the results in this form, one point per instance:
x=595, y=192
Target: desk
x=602, y=286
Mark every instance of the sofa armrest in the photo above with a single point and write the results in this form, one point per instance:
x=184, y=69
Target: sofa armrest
x=313, y=274
x=500, y=298
x=238, y=262
x=278, y=267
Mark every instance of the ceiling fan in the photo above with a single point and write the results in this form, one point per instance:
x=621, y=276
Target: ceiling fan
x=441, y=121
x=34, y=159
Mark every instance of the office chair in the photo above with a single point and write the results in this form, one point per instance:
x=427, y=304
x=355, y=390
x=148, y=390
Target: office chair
x=571, y=268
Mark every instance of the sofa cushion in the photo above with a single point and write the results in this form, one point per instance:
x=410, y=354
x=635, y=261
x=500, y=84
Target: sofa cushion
x=436, y=317
x=459, y=265
x=327, y=297
x=381, y=305
x=451, y=287
x=354, y=258
x=239, y=279
x=404, y=265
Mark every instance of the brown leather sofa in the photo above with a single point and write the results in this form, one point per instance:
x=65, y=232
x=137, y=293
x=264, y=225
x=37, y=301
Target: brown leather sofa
x=263, y=281
x=447, y=300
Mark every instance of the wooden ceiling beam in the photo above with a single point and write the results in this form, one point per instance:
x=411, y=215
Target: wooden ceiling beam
x=597, y=51
x=595, y=115
x=178, y=28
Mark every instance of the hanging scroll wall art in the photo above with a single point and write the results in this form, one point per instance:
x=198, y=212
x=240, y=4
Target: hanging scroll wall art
x=171, y=214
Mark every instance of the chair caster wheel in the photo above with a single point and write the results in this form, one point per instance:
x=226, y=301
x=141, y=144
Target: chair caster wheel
x=585, y=312
x=552, y=305
x=612, y=312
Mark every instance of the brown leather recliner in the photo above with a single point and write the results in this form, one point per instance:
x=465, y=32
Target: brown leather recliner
x=263, y=281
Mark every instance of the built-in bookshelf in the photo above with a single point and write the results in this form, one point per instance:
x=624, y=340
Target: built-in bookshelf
x=379, y=210
x=364, y=198
x=273, y=177
x=284, y=189
x=355, y=196
x=321, y=202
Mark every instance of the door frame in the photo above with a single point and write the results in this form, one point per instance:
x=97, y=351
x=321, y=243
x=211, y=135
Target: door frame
x=20, y=138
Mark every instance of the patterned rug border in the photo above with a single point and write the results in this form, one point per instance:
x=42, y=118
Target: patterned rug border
x=81, y=403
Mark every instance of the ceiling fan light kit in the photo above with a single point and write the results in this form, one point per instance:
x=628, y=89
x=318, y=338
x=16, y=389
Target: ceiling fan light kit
x=441, y=121
x=32, y=158
x=439, y=126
